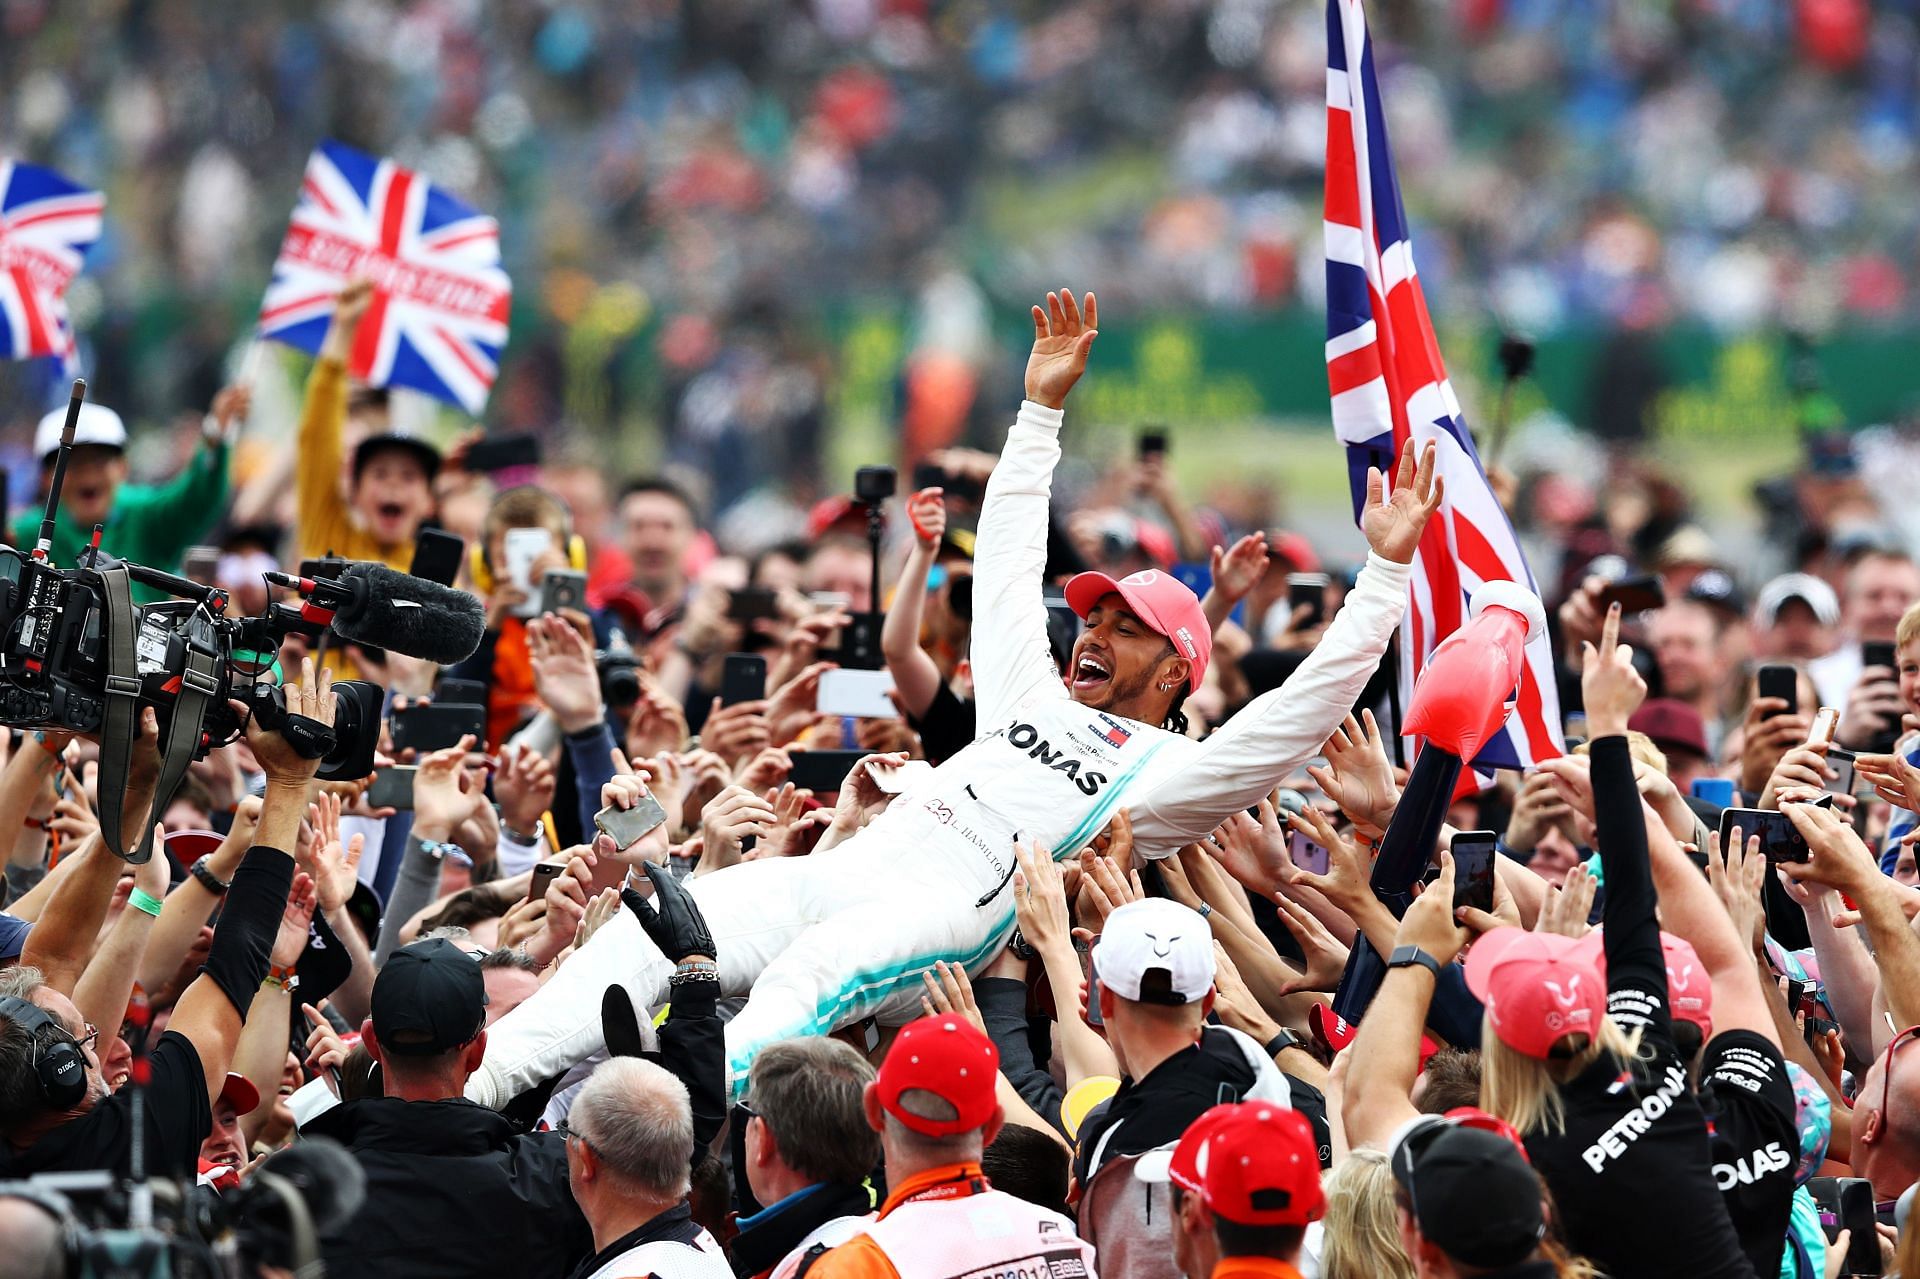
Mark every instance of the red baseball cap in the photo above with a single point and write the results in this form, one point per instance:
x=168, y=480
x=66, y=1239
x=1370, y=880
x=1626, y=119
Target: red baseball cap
x=1168, y=607
x=1336, y=1032
x=947, y=1057
x=238, y=1091
x=1261, y=1167
x=1537, y=987
x=1296, y=550
x=1689, y=984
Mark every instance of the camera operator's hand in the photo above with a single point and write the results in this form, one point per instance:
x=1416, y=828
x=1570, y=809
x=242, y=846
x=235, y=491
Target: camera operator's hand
x=564, y=675
x=1062, y=340
x=443, y=793
x=674, y=921
x=309, y=696
x=525, y=786
x=1394, y=519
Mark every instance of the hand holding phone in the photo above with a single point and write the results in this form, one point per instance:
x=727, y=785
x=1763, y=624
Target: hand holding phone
x=628, y=826
x=1473, y=869
x=543, y=876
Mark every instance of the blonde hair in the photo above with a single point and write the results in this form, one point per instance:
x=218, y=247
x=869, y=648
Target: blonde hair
x=1641, y=747
x=1525, y=1091
x=1362, y=1239
x=1909, y=628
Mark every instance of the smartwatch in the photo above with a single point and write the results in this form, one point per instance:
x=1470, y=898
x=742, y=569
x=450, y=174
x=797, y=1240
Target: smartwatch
x=1284, y=1040
x=204, y=873
x=1408, y=956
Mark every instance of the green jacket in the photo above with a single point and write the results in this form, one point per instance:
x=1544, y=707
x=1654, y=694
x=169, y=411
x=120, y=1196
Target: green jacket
x=150, y=524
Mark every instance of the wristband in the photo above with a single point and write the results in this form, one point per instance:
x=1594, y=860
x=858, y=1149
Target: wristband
x=141, y=899
x=212, y=882
x=285, y=978
x=440, y=850
x=919, y=532
x=1408, y=956
x=515, y=837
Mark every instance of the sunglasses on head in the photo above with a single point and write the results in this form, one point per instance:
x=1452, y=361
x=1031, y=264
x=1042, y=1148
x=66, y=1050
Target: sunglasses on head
x=1876, y=1125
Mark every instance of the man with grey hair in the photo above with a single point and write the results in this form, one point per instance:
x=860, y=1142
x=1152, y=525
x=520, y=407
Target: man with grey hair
x=804, y=1155
x=629, y=1146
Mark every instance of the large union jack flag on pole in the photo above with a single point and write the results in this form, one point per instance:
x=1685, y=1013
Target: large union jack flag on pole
x=47, y=224
x=1388, y=382
x=438, y=319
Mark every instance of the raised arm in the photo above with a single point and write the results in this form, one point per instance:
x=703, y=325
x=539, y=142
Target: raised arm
x=916, y=677
x=1010, y=655
x=323, y=420
x=1248, y=755
x=1840, y=861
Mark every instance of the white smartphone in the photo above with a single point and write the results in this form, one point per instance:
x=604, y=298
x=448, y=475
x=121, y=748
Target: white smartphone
x=522, y=547
x=861, y=694
x=897, y=781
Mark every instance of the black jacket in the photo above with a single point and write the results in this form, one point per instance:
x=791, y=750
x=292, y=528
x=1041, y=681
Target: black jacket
x=452, y=1191
x=769, y=1235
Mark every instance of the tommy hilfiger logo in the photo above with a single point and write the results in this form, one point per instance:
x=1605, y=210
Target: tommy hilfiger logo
x=1114, y=734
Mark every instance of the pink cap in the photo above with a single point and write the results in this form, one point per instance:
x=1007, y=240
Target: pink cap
x=1538, y=988
x=1165, y=604
x=948, y=1057
x=1689, y=985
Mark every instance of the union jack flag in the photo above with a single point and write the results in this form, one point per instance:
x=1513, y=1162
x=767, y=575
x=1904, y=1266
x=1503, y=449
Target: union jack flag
x=1388, y=382
x=438, y=318
x=47, y=224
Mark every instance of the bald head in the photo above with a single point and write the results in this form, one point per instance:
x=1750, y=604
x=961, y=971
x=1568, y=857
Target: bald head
x=1892, y=1161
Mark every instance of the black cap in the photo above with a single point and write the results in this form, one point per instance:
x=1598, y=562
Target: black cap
x=1716, y=588
x=430, y=998
x=1474, y=1195
x=421, y=450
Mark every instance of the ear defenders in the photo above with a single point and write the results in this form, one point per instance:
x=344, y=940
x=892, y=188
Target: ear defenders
x=59, y=1067
x=480, y=565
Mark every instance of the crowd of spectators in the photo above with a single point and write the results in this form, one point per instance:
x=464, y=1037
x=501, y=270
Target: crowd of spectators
x=1654, y=1055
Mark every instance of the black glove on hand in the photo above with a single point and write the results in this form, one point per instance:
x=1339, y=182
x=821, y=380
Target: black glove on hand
x=677, y=927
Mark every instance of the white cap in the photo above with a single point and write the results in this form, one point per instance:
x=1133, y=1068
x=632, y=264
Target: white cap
x=98, y=424
x=1806, y=588
x=1154, y=933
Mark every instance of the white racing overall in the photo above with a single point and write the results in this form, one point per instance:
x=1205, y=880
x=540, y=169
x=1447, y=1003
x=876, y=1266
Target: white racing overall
x=819, y=942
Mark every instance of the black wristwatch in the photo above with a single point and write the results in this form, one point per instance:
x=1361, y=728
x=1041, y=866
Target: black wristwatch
x=212, y=882
x=1284, y=1040
x=1407, y=956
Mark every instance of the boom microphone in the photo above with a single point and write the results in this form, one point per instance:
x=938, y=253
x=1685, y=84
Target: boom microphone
x=409, y=615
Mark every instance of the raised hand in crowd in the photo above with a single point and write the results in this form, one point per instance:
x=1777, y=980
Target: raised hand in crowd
x=1358, y=775
x=861, y=799
x=1771, y=730
x=734, y=815
x=445, y=794
x=332, y=866
x=738, y=732
x=625, y=790
x=564, y=674
x=525, y=786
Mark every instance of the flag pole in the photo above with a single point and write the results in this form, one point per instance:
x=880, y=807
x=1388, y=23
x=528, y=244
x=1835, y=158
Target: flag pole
x=1516, y=361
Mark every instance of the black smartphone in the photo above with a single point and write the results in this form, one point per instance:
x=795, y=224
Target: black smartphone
x=199, y=563
x=1309, y=589
x=1473, y=854
x=392, y=788
x=1879, y=653
x=503, y=453
x=1840, y=760
x=436, y=726
x=436, y=555
x=1153, y=443
x=1782, y=681
x=1846, y=1203
x=1816, y=1029
x=743, y=678
x=1780, y=841
x=460, y=692
x=543, y=876
x=1636, y=594
x=752, y=604
x=928, y=475
x=563, y=588
x=822, y=771
x=627, y=826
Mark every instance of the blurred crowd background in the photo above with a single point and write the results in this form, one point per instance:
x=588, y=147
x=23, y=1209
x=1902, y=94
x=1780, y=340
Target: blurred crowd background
x=745, y=232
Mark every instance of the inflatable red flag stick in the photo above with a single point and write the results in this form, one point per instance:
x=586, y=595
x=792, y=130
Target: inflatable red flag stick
x=1464, y=693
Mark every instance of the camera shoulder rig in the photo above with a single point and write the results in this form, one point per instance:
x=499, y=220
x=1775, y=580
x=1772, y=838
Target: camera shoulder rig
x=120, y=714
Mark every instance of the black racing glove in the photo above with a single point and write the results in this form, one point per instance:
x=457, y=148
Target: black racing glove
x=674, y=922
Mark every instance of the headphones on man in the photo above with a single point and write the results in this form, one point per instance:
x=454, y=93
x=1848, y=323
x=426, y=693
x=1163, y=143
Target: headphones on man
x=59, y=1067
x=480, y=564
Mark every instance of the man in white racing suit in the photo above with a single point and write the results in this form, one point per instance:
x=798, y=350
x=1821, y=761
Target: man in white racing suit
x=823, y=941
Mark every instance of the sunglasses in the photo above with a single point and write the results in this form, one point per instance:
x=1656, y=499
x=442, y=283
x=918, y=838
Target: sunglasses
x=1876, y=1126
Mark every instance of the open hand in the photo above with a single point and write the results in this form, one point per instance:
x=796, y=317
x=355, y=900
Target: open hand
x=1238, y=569
x=1358, y=776
x=1393, y=522
x=1062, y=340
